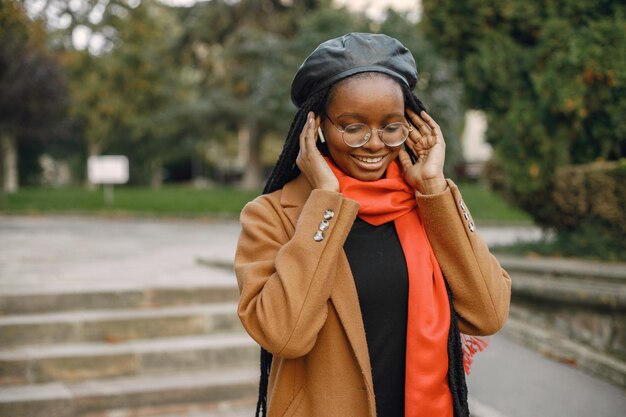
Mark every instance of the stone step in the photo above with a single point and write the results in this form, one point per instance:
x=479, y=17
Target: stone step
x=98, y=397
x=117, y=325
x=73, y=362
x=235, y=408
x=88, y=298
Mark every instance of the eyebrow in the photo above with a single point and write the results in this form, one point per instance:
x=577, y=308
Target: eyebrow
x=396, y=114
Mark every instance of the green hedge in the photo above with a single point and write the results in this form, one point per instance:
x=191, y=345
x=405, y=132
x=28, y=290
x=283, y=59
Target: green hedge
x=591, y=194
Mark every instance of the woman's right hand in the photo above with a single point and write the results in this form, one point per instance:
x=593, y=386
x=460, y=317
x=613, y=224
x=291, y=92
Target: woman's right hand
x=310, y=160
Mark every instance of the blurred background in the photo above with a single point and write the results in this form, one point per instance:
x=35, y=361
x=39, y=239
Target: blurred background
x=531, y=97
x=196, y=94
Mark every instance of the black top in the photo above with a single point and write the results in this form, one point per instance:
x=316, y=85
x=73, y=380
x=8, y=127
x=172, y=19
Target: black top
x=380, y=274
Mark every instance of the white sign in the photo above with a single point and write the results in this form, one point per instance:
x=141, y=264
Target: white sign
x=110, y=169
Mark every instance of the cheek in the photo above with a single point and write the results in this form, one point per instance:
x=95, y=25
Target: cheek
x=395, y=152
x=337, y=148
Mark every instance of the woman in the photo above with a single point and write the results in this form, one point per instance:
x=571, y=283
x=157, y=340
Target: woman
x=341, y=263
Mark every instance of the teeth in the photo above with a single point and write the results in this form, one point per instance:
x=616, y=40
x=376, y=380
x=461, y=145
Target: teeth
x=369, y=160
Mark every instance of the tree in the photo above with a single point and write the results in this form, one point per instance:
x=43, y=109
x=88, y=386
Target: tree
x=249, y=52
x=127, y=98
x=33, y=94
x=438, y=86
x=242, y=50
x=551, y=76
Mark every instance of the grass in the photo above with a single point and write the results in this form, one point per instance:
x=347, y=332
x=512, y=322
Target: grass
x=180, y=201
x=186, y=201
x=486, y=207
x=489, y=208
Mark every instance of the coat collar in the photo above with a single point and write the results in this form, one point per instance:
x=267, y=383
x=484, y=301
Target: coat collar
x=295, y=192
x=344, y=294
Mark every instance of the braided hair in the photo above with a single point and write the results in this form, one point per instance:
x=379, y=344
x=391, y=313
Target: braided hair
x=286, y=170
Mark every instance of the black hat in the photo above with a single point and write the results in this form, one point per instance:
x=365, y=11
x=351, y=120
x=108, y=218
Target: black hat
x=351, y=54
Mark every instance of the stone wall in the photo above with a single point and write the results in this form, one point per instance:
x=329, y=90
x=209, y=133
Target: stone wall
x=572, y=311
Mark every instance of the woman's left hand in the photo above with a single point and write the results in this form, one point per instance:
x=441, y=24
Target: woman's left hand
x=427, y=143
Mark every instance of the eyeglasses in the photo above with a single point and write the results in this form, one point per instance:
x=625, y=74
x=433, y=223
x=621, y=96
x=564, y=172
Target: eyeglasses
x=356, y=135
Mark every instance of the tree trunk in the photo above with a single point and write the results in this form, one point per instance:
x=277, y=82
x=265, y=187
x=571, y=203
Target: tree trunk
x=10, y=174
x=93, y=149
x=253, y=175
x=243, y=146
x=156, y=173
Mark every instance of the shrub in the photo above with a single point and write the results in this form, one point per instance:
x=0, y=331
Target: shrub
x=551, y=77
x=591, y=194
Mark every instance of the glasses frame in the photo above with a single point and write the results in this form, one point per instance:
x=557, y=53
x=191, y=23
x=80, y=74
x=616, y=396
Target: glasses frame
x=381, y=133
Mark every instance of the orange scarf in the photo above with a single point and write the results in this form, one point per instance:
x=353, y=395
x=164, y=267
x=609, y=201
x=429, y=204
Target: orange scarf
x=427, y=393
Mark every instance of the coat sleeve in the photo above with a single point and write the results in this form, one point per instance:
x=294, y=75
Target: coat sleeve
x=285, y=281
x=481, y=288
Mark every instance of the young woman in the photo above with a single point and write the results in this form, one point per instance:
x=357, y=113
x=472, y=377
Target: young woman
x=360, y=265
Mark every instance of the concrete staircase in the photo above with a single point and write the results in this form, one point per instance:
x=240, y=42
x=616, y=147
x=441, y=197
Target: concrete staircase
x=167, y=352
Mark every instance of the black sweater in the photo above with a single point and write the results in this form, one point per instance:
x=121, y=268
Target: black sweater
x=380, y=274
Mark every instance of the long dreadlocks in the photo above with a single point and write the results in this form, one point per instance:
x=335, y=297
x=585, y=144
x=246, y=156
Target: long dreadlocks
x=286, y=170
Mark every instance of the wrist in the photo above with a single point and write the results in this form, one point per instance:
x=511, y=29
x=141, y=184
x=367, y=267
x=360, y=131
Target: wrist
x=432, y=186
x=329, y=187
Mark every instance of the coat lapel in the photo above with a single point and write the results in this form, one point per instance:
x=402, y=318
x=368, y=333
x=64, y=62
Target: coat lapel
x=344, y=295
x=346, y=301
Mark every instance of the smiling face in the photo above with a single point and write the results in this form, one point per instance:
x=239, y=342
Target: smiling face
x=375, y=100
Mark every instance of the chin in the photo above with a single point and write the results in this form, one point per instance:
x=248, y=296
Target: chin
x=369, y=176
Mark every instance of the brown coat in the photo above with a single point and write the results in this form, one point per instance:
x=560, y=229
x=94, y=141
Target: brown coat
x=299, y=301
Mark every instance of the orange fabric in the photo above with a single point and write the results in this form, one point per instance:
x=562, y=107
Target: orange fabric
x=426, y=385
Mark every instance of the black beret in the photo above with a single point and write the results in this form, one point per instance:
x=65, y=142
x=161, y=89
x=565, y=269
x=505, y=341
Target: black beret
x=351, y=54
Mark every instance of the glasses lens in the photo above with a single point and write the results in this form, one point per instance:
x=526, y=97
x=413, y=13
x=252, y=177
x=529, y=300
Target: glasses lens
x=356, y=134
x=395, y=134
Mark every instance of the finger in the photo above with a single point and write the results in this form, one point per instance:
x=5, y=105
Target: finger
x=419, y=142
x=415, y=144
x=405, y=160
x=317, y=123
x=304, y=137
x=431, y=122
x=301, y=138
x=414, y=133
x=429, y=142
x=418, y=122
x=309, y=134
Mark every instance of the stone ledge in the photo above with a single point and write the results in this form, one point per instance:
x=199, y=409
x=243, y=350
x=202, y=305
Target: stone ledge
x=559, y=348
x=573, y=290
x=570, y=268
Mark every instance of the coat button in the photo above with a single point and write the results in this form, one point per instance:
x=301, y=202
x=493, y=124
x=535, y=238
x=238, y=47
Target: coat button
x=318, y=236
x=329, y=214
x=324, y=225
x=462, y=204
x=471, y=226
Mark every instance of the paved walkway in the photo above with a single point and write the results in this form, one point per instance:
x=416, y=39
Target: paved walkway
x=70, y=252
x=64, y=253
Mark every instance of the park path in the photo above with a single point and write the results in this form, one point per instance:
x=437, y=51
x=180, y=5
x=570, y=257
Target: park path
x=74, y=253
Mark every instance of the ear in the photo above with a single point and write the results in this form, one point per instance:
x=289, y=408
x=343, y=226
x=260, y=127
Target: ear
x=321, y=135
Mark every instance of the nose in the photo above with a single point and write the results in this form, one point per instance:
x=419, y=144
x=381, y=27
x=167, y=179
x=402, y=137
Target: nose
x=375, y=142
